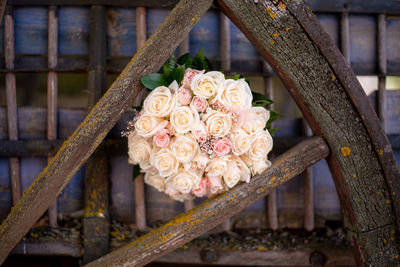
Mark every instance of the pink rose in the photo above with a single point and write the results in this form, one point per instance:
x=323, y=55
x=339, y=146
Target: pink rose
x=188, y=77
x=161, y=138
x=184, y=96
x=199, y=103
x=200, y=133
x=214, y=183
x=222, y=147
x=201, y=189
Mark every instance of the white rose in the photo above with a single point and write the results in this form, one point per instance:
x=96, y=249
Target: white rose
x=218, y=124
x=175, y=194
x=184, y=147
x=184, y=119
x=217, y=166
x=200, y=159
x=165, y=162
x=207, y=85
x=138, y=148
x=236, y=95
x=241, y=142
x=155, y=180
x=232, y=175
x=148, y=125
x=236, y=171
x=160, y=102
x=184, y=181
x=255, y=119
x=261, y=145
x=256, y=166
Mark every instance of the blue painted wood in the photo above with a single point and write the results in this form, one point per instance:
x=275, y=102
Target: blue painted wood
x=30, y=26
x=121, y=31
x=330, y=23
x=154, y=17
x=363, y=47
x=206, y=35
x=393, y=111
x=393, y=44
x=5, y=188
x=73, y=30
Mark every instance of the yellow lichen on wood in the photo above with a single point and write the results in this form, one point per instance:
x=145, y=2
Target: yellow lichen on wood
x=346, y=151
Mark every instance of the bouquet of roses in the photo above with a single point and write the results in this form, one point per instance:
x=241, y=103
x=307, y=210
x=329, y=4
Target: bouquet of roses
x=199, y=133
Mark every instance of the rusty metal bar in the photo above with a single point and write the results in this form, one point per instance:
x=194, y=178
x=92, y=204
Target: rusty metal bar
x=11, y=93
x=308, y=189
x=271, y=198
x=52, y=85
x=213, y=211
x=382, y=69
x=96, y=225
x=345, y=35
x=140, y=208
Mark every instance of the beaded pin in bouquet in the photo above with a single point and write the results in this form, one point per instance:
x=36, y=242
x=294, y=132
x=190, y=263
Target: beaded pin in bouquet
x=199, y=133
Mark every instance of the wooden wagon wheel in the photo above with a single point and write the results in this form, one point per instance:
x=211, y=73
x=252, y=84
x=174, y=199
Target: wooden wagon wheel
x=289, y=37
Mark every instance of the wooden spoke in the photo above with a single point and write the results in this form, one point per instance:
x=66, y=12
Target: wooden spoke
x=212, y=212
x=89, y=134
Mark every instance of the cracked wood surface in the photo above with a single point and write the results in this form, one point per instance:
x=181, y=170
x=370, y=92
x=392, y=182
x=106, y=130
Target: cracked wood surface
x=89, y=134
x=214, y=211
x=326, y=90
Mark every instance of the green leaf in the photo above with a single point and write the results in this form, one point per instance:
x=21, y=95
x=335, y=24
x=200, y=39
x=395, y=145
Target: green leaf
x=135, y=171
x=177, y=74
x=234, y=77
x=260, y=98
x=186, y=60
x=273, y=116
x=154, y=80
x=272, y=131
x=200, y=62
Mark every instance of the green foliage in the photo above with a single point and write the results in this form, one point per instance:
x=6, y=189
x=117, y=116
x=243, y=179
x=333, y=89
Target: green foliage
x=260, y=100
x=135, y=171
x=154, y=80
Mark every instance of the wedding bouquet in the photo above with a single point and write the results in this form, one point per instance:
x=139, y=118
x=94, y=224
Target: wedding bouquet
x=198, y=133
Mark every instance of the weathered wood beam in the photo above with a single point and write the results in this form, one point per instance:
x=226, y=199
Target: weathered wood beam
x=89, y=134
x=214, y=211
x=321, y=82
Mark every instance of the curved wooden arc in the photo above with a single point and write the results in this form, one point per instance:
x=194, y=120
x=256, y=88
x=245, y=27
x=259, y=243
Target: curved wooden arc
x=89, y=134
x=214, y=211
x=289, y=37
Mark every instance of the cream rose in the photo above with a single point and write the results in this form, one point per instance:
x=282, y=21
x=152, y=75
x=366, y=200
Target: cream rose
x=261, y=145
x=241, y=142
x=256, y=119
x=148, y=125
x=138, y=148
x=165, y=162
x=256, y=166
x=184, y=147
x=207, y=85
x=184, y=119
x=155, y=180
x=160, y=102
x=232, y=175
x=217, y=166
x=218, y=124
x=184, y=181
x=236, y=95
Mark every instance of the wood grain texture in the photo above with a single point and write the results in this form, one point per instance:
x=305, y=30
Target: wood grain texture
x=89, y=134
x=213, y=211
x=334, y=104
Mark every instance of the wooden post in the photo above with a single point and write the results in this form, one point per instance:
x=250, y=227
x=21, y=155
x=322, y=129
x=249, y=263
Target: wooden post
x=308, y=189
x=89, y=134
x=11, y=93
x=52, y=85
x=272, y=208
x=212, y=212
x=140, y=199
x=96, y=226
x=382, y=68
